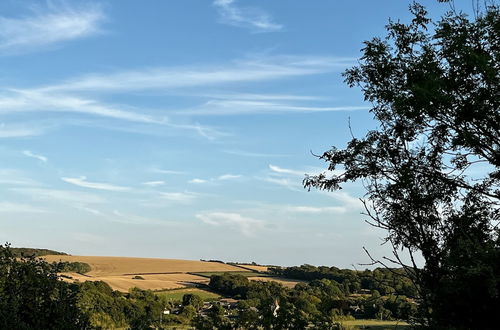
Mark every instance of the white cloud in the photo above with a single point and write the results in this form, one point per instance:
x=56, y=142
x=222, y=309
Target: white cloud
x=223, y=177
x=265, y=97
x=8, y=207
x=164, y=78
x=60, y=195
x=162, y=171
x=35, y=101
x=15, y=178
x=317, y=210
x=89, y=210
x=238, y=107
x=81, y=181
x=196, y=180
x=248, y=226
x=13, y=131
x=48, y=26
x=252, y=154
x=253, y=18
x=282, y=170
x=183, y=197
x=344, y=197
x=294, y=185
x=154, y=183
x=228, y=177
x=28, y=153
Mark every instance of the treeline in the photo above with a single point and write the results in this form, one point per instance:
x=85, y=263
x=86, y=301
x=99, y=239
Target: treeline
x=318, y=304
x=32, y=296
x=385, y=281
x=73, y=267
x=26, y=252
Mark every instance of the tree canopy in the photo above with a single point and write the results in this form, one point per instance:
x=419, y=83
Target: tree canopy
x=432, y=167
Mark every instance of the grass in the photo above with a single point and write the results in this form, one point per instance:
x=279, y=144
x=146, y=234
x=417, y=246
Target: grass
x=376, y=324
x=178, y=293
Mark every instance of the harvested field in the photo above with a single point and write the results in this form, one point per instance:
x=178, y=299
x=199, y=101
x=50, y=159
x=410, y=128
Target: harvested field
x=104, y=266
x=283, y=281
x=157, y=274
x=242, y=273
x=256, y=268
x=124, y=283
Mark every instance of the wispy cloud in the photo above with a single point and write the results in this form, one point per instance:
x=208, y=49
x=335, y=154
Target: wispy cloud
x=246, y=225
x=8, y=207
x=15, y=178
x=244, y=153
x=164, y=78
x=82, y=182
x=345, y=198
x=49, y=25
x=252, y=18
x=196, y=180
x=285, y=182
x=223, y=177
x=41, y=158
x=154, y=183
x=183, y=197
x=228, y=177
x=263, y=97
x=238, y=107
x=163, y=171
x=317, y=210
x=27, y=100
x=60, y=195
x=33, y=100
x=282, y=170
x=81, y=96
x=13, y=131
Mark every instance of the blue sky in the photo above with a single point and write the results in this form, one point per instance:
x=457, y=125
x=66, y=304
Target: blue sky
x=183, y=129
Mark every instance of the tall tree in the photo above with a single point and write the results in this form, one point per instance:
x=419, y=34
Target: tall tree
x=432, y=167
x=33, y=297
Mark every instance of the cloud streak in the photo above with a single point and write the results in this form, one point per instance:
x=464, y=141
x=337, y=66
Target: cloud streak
x=239, y=107
x=246, y=225
x=48, y=26
x=164, y=78
x=223, y=177
x=41, y=158
x=82, y=182
x=254, y=19
x=8, y=207
x=154, y=183
x=316, y=210
x=183, y=197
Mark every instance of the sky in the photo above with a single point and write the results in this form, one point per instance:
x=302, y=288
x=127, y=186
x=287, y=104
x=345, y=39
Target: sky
x=184, y=128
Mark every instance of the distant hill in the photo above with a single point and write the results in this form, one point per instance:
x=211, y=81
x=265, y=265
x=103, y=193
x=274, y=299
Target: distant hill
x=18, y=252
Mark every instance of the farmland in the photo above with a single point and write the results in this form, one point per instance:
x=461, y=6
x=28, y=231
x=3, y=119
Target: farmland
x=154, y=274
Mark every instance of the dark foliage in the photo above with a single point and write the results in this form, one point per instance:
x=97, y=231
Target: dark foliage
x=33, y=252
x=33, y=297
x=74, y=267
x=432, y=168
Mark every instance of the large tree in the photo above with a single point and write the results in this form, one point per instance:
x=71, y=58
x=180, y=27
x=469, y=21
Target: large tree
x=432, y=167
x=33, y=297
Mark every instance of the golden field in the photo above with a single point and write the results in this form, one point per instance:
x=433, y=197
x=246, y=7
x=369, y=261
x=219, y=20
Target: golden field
x=285, y=282
x=157, y=274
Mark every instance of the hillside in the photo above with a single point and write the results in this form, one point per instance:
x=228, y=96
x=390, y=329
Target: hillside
x=153, y=273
